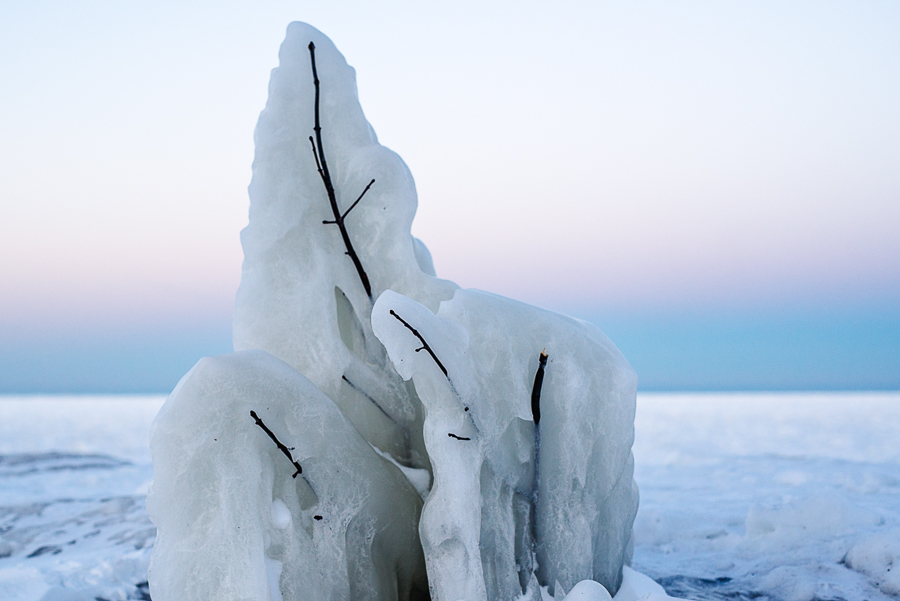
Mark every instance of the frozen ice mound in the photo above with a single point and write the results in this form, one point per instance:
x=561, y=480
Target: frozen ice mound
x=438, y=443
x=571, y=498
x=233, y=520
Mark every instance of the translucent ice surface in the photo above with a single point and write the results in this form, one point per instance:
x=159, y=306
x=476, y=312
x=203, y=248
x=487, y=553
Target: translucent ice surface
x=230, y=506
x=570, y=498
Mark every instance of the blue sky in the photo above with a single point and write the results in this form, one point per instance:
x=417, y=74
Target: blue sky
x=714, y=184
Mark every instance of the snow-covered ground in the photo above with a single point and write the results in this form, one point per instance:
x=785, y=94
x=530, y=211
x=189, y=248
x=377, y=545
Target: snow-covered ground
x=73, y=475
x=790, y=496
x=743, y=496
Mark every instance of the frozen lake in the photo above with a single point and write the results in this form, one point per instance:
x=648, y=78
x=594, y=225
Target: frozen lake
x=743, y=496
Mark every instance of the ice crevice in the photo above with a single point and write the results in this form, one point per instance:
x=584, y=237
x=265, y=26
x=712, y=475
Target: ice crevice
x=421, y=441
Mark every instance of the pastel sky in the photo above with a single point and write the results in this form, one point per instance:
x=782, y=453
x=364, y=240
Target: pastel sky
x=702, y=166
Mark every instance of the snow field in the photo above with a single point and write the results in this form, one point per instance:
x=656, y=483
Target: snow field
x=778, y=496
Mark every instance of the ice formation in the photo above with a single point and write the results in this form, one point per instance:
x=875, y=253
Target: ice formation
x=381, y=433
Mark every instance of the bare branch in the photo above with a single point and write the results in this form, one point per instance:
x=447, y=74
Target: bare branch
x=368, y=396
x=281, y=447
x=316, y=156
x=452, y=435
x=329, y=187
x=536, y=414
x=424, y=346
x=536, y=389
x=356, y=202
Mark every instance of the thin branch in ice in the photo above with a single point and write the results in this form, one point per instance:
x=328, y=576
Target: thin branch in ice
x=322, y=165
x=316, y=156
x=368, y=396
x=536, y=389
x=356, y=202
x=281, y=447
x=536, y=414
x=424, y=346
x=452, y=435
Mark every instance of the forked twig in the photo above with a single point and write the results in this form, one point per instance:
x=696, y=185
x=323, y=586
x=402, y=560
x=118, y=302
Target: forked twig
x=281, y=447
x=356, y=202
x=322, y=166
x=424, y=346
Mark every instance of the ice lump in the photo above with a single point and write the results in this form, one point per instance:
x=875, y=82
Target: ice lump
x=379, y=432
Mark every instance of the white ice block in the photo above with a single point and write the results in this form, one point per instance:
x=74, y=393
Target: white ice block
x=493, y=500
x=378, y=418
x=227, y=507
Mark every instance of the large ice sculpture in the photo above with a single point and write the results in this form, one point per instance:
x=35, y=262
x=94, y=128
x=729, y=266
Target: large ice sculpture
x=438, y=442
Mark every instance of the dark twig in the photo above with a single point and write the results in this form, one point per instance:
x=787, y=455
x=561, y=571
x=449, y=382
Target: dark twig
x=316, y=156
x=536, y=414
x=322, y=166
x=424, y=346
x=452, y=435
x=536, y=389
x=281, y=447
x=368, y=396
x=356, y=202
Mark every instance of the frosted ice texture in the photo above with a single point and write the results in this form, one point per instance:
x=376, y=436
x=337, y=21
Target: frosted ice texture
x=228, y=511
x=481, y=440
x=511, y=510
